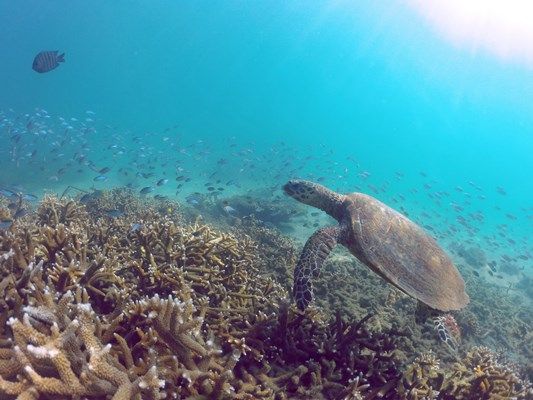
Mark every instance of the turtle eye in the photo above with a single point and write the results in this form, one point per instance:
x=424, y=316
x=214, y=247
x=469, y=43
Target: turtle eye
x=289, y=188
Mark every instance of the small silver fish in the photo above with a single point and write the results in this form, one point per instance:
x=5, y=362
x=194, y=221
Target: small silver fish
x=146, y=190
x=229, y=210
x=114, y=213
x=29, y=197
x=135, y=227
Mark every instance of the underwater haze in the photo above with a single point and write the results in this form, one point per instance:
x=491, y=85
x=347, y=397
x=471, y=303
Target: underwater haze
x=215, y=105
x=372, y=82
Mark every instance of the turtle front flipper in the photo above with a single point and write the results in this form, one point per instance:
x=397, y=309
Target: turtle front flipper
x=315, y=251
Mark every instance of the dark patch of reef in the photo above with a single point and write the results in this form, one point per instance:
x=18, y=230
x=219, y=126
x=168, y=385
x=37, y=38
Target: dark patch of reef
x=117, y=297
x=496, y=318
x=473, y=255
x=258, y=206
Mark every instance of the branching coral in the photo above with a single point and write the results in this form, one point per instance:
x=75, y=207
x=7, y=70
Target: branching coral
x=275, y=253
x=477, y=376
x=325, y=359
x=191, y=340
x=422, y=378
x=53, y=211
x=122, y=202
x=481, y=376
x=140, y=305
x=58, y=353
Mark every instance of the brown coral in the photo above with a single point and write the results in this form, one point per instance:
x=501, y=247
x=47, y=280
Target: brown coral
x=140, y=304
x=478, y=375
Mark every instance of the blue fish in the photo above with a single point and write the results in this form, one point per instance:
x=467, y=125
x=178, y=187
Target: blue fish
x=7, y=193
x=100, y=178
x=136, y=227
x=20, y=213
x=29, y=197
x=147, y=189
x=114, y=213
x=194, y=198
x=5, y=224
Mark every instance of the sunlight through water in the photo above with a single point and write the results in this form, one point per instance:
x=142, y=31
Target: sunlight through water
x=502, y=28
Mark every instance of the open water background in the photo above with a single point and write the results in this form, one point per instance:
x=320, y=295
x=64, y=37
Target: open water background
x=367, y=80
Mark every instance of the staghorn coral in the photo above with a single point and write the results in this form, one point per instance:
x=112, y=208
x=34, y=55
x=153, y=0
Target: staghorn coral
x=53, y=211
x=57, y=353
x=143, y=305
x=120, y=202
x=503, y=320
x=5, y=214
x=274, y=253
x=122, y=272
x=328, y=360
x=422, y=379
x=478, y=375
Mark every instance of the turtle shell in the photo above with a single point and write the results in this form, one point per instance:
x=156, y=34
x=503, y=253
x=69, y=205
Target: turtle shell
x=402, y=253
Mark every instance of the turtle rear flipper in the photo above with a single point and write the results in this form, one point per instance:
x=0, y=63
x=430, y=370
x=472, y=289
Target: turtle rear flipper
x=314, y=253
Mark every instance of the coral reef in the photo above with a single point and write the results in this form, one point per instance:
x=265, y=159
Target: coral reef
x=264, y=210
x=58, y=352
x=275, y=253
x=112, y=296
x=273, y=213
x=496, y=317
x=478, y=375
x=526, y=284
x=122, y=201
x=473, y=255
x=326, y=359
x=93, y=308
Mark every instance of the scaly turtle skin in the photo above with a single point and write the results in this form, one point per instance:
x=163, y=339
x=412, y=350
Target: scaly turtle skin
x=387, y=242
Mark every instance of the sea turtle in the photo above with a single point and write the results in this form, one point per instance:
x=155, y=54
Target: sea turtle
x=383, y=239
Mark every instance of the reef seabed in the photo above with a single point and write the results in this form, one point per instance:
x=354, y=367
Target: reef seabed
x=148, y=305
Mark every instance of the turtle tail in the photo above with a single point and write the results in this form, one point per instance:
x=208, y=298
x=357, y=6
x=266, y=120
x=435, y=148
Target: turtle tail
x=314, y=253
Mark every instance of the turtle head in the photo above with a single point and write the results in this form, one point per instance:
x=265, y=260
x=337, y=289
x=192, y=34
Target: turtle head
x=315, y=195
x=303, y=191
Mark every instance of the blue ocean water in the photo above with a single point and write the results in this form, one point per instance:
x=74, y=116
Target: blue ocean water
x=361, y=95
x=227, y=100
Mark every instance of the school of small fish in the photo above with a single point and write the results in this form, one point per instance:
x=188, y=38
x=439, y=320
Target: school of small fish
x=44, y=152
